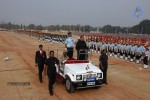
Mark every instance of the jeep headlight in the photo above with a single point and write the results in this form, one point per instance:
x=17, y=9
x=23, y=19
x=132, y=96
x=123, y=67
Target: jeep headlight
x=99, y=75
x=79, y=77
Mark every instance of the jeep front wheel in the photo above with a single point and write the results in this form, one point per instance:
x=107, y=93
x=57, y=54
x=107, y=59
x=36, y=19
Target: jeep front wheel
x=69, y=85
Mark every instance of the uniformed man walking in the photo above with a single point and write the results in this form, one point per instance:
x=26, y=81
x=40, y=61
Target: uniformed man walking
x=103, y=64
x=50, y=68
x=40, y=58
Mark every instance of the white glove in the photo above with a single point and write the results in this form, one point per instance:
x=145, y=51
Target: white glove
x=64, y=61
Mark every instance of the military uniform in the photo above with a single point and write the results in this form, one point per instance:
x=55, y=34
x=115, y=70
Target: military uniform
x=104, y=66
x=118, y=46
x=94, y=46
x=104, y=46
x=111, y=48
x=138, y=54
x=115, y=49
x=146, y=57
x=70, y=45
x=132, y=54
x=122, y=48
x=99, y=44
x=127, y=50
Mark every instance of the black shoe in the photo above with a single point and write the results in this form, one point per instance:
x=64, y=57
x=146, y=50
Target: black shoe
x=51, y=93
x=41, y=81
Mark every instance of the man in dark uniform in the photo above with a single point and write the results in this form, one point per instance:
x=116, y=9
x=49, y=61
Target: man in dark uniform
x=51, y=70
x=103, y=64
x=81, y=48
x=40, y=58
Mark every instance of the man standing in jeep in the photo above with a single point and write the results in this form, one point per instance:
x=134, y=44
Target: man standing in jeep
x=69, y=44
x=81, y=48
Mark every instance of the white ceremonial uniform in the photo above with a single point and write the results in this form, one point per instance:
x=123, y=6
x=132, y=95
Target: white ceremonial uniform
x=138, y=53
x=104, y=46
x=115, y=50
x=99, y=44
x=111, y=47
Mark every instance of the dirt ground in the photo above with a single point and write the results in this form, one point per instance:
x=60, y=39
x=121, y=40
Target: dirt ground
x=126, y=80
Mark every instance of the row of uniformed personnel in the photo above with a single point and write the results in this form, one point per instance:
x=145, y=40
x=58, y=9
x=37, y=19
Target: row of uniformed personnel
x=134, y=51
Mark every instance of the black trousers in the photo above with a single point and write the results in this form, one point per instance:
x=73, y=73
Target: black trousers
x=94, y=47
x=115, y=52
x=98, y=48
x=91, y=47
x=104, y=70
x=126, y=54
x=121, y=53
x=145, y=60
x=110, y=51
x=138, y=57
x=132, y=55
x=70, y=52
x=40, y=67
x=52, y=79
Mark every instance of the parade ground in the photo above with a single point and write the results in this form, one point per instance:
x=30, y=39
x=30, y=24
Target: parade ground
x=19, y=76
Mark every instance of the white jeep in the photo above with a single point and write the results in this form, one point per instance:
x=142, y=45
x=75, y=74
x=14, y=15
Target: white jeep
x=79, y=74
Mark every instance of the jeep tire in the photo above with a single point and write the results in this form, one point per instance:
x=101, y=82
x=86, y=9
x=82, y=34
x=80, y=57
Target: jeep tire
x=69, y=85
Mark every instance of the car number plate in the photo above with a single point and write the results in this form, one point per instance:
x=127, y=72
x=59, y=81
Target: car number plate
x=91, y=79
x=90, y=83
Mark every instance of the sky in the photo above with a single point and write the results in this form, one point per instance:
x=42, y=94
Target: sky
x=73, y=12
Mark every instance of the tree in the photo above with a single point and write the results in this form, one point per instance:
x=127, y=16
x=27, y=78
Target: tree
x=143, y=27
x=9, y=26
x=31, y=26
x=108, y=29
x=39, y=27
x=87, y=28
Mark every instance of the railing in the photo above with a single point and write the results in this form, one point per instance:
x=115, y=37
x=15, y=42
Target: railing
x=76, y=61
x=59, y=53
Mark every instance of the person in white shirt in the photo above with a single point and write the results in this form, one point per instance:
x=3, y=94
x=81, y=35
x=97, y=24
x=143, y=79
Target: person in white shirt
x=138, y=54
x=69, y=44
x=99, y=44
x=146, y=56
x=115, y=49
x=133, y=51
